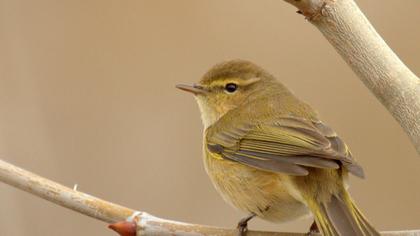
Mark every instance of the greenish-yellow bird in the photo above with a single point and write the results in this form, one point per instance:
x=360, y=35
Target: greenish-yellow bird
x=269, y=154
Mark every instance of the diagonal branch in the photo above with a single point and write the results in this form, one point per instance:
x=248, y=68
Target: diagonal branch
x=103, y=210
x=350, y=32
x=147, y=224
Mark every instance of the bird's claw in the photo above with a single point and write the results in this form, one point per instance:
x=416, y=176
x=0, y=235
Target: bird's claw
x=243, y=225
x=242, y=228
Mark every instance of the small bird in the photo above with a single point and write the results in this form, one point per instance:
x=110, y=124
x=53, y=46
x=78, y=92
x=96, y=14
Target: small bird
x=268, y=154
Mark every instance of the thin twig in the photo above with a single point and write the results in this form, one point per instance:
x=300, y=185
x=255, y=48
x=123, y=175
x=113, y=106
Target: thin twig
x=62, y=195
x=111, y=213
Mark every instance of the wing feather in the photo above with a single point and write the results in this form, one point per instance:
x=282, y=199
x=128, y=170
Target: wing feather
x=286, y=145
x=267, y=164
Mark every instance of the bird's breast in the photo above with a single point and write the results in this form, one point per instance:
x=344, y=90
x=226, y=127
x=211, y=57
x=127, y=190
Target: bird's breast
x=267, y=194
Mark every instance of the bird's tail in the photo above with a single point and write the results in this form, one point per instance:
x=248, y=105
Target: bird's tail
x=341, y=217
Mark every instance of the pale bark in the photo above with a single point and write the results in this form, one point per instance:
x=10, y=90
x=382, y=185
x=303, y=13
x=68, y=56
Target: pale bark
x=388, y=78
x=147, y=224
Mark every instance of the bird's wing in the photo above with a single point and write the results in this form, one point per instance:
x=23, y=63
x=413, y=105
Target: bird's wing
x=286, y=145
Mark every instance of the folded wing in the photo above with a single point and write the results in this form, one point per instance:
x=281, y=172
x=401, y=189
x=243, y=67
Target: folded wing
x=286, y=144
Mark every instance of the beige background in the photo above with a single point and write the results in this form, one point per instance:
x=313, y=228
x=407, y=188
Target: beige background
x=87, y=96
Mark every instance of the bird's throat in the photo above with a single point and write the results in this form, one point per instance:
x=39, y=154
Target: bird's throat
x=209, y=115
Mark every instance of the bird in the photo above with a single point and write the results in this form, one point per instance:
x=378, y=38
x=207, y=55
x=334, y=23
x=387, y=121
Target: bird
x=268, y=153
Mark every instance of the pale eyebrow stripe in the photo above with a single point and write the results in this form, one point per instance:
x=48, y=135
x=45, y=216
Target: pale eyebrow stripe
x=251, y=81
x=234, y=80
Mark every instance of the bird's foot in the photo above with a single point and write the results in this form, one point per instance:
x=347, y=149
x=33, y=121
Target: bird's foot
x=243, y=224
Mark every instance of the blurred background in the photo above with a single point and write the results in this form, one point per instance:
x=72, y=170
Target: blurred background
x=87, y=96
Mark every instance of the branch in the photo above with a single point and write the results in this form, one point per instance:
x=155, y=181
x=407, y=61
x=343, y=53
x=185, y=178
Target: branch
x=107, y=211
x=350, y=32
x=146, y=224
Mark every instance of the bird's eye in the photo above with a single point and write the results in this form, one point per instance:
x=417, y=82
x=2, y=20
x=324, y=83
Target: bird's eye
x=231, y=87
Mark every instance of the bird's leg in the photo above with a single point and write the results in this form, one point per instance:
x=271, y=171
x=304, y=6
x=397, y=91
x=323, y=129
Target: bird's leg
x=313, y=229
x=243, y=224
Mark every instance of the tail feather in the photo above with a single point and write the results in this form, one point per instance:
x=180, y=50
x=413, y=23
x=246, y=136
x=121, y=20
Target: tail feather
x=367, y=227
x=341, y=217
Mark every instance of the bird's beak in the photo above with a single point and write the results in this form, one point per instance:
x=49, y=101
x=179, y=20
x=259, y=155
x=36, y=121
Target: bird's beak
x=195, y=89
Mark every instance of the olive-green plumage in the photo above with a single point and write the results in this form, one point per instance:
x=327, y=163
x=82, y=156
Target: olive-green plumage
x=268, y=153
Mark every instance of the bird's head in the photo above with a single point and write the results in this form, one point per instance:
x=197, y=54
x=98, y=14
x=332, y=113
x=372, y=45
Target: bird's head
x=226, y=86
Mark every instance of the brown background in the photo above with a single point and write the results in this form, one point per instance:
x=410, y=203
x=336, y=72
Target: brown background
x=87, y=96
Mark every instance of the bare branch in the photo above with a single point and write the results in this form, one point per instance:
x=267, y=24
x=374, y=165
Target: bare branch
x=103, y=210
x=350, y=32
x=61, y=195
x=147, y=224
